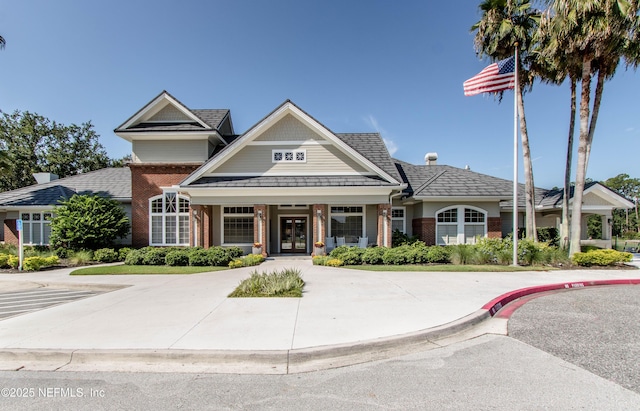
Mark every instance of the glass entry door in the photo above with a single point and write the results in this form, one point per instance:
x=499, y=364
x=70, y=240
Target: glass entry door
x=293, y=234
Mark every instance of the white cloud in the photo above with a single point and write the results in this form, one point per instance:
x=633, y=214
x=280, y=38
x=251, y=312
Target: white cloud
x=391, y=145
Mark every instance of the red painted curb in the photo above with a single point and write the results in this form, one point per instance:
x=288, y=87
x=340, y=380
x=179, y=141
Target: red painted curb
x=496, y=304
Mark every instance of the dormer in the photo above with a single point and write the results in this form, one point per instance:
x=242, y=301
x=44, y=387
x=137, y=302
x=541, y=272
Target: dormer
x=165, y=131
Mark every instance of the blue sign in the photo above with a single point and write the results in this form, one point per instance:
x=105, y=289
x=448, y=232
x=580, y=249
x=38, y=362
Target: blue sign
x=19, y=225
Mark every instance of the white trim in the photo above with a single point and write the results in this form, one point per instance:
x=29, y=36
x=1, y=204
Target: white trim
x=243, y=215
x=164, y=215
x=288, y=174
x=286, y=108
x=460, y=223
x=363, y=214
x=155, y=106
x=404, y=217
x=289, y=143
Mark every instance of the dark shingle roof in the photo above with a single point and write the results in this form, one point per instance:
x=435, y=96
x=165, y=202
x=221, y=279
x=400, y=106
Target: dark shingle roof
x=445, y=181
x=372, y=147
x=293, y=181
x=212, y=117
x=110, y=182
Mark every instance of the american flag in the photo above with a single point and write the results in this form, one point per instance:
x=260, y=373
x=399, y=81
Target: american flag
x=494, y=78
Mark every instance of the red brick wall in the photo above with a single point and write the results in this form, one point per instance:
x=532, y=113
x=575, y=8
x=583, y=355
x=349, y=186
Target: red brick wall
x=147, y=181
x=10, y=232
x=425, y=229
x=494, y=227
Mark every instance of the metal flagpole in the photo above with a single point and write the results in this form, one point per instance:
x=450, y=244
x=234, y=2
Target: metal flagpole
x=515, y=161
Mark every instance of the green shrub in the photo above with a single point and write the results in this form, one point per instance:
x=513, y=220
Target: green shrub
x=399, y=238
x=403, y=254
x=438, y=254
x=218, y=256
x=601, y=258
x=549, y=235
x=62, y=252
x=252, y=259
x=106, y=255
x=285, y=283
x=13, y=261
x=35, y=263
x=234, y=252
x=154, y=255
x=236, y=264
x=338, y=252
x=334, y=262
x=9, y=249
x=88, y=221
x=530, y=253
x=123, y=252
x=4, y=260
x=198, y=257
x=134, y=257
x=353, y=256
x=373, y=255
x=177, y=257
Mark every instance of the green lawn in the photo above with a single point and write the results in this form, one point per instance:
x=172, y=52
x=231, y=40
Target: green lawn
x=142, y=269
x=449, y=268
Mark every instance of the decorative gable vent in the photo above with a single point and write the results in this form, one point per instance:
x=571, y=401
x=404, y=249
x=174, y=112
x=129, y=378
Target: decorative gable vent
x=289, y=156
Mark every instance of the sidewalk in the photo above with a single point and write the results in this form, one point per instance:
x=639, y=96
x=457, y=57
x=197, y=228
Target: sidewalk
x=187, y=321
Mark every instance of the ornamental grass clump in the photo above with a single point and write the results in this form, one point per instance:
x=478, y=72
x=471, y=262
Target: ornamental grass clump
x=285, y=283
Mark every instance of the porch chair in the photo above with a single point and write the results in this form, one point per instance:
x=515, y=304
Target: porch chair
x=330, y=244
x=339, y=241
x=363, y=242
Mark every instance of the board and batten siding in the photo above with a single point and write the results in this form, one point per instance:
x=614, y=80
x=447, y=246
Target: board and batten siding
x=320, y=158
x=170, y=151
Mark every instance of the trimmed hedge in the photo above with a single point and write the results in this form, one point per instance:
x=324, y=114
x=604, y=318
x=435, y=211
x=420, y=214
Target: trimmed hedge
x=601, y=258
x=106, y=255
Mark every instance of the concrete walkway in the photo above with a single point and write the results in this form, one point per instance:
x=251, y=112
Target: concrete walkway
x=186, y=322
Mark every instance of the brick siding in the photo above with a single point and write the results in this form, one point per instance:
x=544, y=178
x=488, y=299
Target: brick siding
x=147, y=181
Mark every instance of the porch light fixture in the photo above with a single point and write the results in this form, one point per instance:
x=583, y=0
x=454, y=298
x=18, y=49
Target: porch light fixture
x=260, y=214
x=384, y=213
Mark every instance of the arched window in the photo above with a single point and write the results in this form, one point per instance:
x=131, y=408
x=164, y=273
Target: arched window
x=460, y=225
x=169, y=219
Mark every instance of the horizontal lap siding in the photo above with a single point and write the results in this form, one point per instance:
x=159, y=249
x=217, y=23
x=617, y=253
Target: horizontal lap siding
x=289, y=129
x=320, y=158
x=170, y=151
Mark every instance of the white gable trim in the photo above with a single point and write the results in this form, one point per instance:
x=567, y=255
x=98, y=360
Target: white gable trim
x=616, y=200
x=287, y=108
x=157, y=104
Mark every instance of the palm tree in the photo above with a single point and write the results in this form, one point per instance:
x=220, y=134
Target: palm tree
x=552, y=65
x=597, y=34
x=504, y=25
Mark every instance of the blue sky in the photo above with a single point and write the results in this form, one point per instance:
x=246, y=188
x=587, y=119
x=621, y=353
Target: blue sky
x=392, y=67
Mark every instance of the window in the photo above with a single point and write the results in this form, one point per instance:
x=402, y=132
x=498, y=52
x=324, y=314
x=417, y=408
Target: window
x=347, y=222
x=36, y=228
x=288, y=156
x=237, y=225
x=398, y=220
x=169, y=219
x=450, y=229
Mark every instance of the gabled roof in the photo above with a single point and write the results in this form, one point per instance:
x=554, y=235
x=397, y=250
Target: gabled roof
x=553, y=198
x=367, y=149
x=114, y=183
x=194, y=120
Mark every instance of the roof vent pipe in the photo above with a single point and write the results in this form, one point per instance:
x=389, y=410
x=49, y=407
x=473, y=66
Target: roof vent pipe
x=431, y=159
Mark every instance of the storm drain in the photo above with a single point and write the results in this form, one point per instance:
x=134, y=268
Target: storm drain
x=21, y=302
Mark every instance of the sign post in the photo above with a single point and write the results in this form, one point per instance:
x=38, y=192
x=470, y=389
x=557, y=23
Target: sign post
x=20, y=248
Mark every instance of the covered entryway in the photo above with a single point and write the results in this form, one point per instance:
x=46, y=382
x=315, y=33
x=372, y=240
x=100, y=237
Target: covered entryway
x=293, y=234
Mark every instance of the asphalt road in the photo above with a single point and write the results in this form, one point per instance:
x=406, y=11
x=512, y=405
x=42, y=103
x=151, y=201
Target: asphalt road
x=597, y=329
